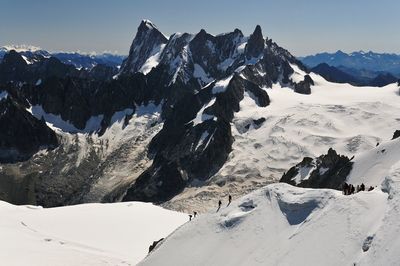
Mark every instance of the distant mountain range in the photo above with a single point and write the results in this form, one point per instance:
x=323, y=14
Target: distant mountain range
x=358, y=68
x=33, y=54
x=378, y=62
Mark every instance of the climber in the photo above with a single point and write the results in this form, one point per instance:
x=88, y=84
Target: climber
x=219, y=205
x=345, y=189
x=352, y=189
x=194, y=214
x=229, y=200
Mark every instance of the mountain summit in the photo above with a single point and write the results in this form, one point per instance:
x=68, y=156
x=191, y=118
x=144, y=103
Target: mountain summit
x=147, y=43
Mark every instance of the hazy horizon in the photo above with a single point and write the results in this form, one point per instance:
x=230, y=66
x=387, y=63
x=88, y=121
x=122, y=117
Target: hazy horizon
x=303, y=29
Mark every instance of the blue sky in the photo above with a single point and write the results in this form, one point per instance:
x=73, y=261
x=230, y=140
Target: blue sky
x=301, y=26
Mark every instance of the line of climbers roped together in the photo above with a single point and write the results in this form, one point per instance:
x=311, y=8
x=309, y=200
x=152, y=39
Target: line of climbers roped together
x=349, y=189
x=219, y=207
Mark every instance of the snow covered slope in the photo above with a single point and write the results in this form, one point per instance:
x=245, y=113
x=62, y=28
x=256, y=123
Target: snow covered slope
x=284, y=225
x=89, y=234
x=349, y=119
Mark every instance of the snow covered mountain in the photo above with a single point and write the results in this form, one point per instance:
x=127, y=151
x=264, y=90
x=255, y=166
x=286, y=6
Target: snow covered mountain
x=88, y=234
x=145, y=49
x=33, y=54
x=283, y=225
x=188, y=119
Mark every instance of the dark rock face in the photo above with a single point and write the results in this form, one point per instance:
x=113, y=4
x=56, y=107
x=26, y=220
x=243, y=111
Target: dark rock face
x=100, y=72
x=255, y=45
x=396, y=134
x=147, y=40
x=77, y=100
x=304, y=87
x=326, y=171
x=21, y=134
x=256, y=123
x=259, y=121
x=155, y=243
x=52, y=67
x=13, y=68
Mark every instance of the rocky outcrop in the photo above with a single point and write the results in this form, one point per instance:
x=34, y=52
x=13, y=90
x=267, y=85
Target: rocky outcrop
x=304, y=87
x=327, y=171
x=155, y=243
x=396, y=134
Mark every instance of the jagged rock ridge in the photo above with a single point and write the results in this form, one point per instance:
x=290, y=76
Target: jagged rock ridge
x=327, y=171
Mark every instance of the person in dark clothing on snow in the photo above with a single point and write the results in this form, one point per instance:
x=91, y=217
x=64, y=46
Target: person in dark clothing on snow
x=229, y=200
x=345, y=189
x=362, y=187
x=352, y=189
x=190, y=217
x=219, y=205
x=194, y=214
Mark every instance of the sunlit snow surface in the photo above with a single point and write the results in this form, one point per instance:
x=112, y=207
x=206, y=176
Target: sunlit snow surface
x=88, y=234
x=284, y=225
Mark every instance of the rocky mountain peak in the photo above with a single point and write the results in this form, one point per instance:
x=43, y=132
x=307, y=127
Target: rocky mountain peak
x=148, y=42
x=257, y=33
x=255, y=44
x=146, y=24
x=237, y=31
